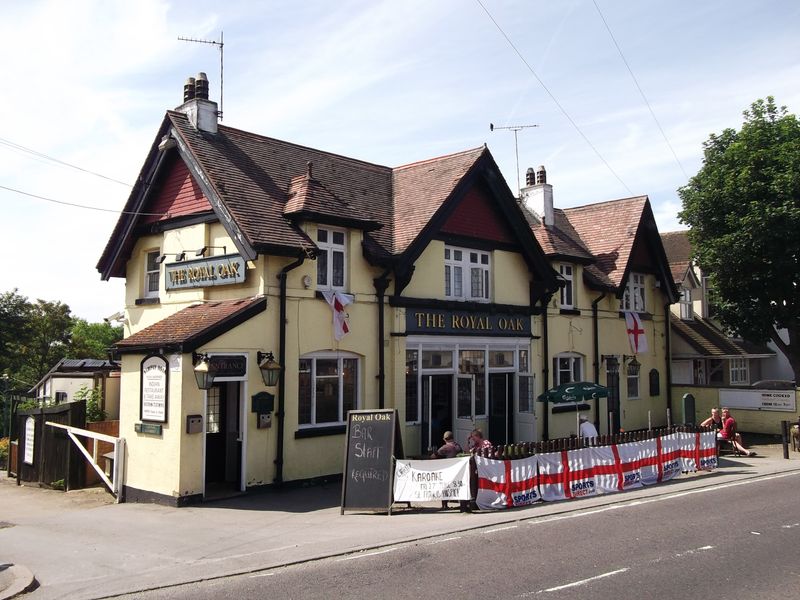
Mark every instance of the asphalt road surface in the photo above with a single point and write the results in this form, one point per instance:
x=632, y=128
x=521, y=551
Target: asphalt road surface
x=739, y=541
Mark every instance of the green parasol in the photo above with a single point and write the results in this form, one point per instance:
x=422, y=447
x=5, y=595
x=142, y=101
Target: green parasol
x=576, y=391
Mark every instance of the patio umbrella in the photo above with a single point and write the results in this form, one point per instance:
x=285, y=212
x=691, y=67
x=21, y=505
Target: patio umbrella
x=576, y=391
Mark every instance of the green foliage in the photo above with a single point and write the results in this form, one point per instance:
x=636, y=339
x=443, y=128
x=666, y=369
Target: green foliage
x=58, y=485
x=93, y=403
x=4, y=452
x=743, y=207
x=92, y=340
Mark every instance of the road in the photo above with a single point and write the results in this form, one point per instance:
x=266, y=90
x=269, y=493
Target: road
x=738, y=540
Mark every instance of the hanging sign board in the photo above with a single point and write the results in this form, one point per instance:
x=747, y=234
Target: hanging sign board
x=154, y=389
x=205, y=272
x=30, y=435
x=372, y=442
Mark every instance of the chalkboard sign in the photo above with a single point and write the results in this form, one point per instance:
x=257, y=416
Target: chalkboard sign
x=373, y=440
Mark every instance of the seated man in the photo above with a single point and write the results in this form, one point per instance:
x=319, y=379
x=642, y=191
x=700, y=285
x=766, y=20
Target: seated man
x=450, y=449
x=728, y=432
x=477, y=442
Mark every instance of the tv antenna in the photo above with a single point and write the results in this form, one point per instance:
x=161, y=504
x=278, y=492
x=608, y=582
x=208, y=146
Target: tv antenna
x=219, y=44
x=515, y=129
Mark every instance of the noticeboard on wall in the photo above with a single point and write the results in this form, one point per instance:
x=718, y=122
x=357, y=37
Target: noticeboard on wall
x=154, y=388
x=372, y=443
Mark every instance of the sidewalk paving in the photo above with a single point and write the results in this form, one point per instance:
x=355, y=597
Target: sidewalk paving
x=81, y=545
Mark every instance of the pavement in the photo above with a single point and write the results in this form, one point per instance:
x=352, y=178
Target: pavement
x=82, y=545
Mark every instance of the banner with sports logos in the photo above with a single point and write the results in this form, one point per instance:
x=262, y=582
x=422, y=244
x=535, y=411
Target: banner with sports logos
x=426, y=480
x=506, y=483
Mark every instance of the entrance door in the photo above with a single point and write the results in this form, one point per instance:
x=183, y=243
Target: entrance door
x=465, y=409
x=223, y=439
x=612, y=381
x=501, y=408
x=437, y=410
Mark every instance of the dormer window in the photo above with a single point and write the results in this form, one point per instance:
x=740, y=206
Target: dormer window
x=567, y=298
x=633, y=299
x=686, y=304
x=331, y=259
x=474, y=265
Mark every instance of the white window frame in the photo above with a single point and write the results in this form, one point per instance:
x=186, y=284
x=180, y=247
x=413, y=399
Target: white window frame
x=148, y=292
x=330, y=249
x=567, y=292
x=635, y=290
x=574, y=359
x=339, y=357
x=459, y=273
x=739, y=371
x=634, y=386
x=687, y=313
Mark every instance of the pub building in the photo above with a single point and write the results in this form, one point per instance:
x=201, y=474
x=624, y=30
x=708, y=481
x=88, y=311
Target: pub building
x=271, y=288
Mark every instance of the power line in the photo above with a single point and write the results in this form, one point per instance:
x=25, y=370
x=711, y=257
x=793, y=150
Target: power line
x=73, y=204
x=638, y=87
x=16, y=146
x=553, y=98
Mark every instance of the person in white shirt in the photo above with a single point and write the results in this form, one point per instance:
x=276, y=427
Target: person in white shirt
x=587, y=429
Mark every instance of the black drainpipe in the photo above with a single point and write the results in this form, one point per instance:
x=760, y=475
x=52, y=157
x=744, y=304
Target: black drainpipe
x=597, y=358
x=546, y=368
x=282, y=360
x=381, y=283
x=668, y=386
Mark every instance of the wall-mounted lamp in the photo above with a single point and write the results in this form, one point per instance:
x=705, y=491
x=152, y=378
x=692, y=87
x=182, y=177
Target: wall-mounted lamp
x=166, y=143
x=202, y=251
x=633, y=367
x=180, y=256
x=270, y=370
x=203, y=372
x=161, y=258
x=612, y=363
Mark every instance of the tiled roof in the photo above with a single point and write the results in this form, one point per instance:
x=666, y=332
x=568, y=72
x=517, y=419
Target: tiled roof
x=191, y=327
x=421, y=188
x=679, y=253
x=601, y=234
x=708, y=340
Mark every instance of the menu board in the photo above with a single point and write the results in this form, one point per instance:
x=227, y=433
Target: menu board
x=154, y=389
x=372, y=442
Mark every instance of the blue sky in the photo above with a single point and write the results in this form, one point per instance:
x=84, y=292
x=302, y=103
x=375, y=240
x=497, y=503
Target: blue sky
x=88, y=81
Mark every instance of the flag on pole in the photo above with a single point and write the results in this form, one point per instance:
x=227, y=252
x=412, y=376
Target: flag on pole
x=635, y=330
x=337, y=301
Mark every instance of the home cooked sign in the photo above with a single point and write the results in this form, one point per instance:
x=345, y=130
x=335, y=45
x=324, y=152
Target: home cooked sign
x=372, y=442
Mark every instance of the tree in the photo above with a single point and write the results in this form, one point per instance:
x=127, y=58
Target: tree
x=92, y=340
x=14, y=316
x=743, y=207
x=50, y=333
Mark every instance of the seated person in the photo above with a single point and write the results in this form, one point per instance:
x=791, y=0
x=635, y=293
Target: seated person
x=587, y=428
x=714, y=421
x=477, y=442
x=728, y=432
x=450, y=449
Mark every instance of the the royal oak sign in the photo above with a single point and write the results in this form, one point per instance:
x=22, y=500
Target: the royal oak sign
x=454, y=322
x=205, y=272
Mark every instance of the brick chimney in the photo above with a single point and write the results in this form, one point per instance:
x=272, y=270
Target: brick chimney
x=202, y=112
x=537, y=195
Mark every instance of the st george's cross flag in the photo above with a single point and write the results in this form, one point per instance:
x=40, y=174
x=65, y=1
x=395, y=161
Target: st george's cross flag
x=635, y=331
x=338, y=301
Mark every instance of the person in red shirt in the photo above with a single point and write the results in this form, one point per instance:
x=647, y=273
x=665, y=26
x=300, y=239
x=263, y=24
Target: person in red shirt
x=728, y=432
x=477, y=442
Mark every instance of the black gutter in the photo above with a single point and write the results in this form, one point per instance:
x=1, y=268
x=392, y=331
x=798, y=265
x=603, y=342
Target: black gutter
x=668, y=335
x=281, y=414
x=381, y=283
x=597, y=358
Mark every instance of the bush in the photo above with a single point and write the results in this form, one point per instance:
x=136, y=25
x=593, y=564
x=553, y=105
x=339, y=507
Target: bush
x=4, y=452
x=92, y=397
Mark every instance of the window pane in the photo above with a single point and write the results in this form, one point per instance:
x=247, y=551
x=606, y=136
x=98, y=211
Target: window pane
x=349, y=379
x=456, y=254
x=327, y=367
x=212, y=411
x=473, y=258
x=524, y=366
x=526, y=394
x=152, y=265
x=437, y=359
x=480, y=396
x=484, y=259
x=457, y=287
x=322, y=268
x=338, y=238
x=338, y=269
x=412, y=400
x=501, y=358
x=152, y=282
x=327, y=389
x=464, y=402
x=447, y=289
x=322, y=235
x=447, y=253
x=471, y=362
x=476, y=281
x=304, y=400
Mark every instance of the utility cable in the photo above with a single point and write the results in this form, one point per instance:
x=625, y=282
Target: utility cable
x=638, y=87
x=73, y=204
x=553, y=98
x=16, y=146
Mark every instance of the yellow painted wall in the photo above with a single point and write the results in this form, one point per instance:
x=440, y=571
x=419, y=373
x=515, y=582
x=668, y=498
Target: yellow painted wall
x=748, y=421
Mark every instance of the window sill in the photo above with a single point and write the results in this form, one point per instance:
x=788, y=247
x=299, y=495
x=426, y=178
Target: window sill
x=644, y=316
x=569, y=311
x=146, y=301
x=312, y=432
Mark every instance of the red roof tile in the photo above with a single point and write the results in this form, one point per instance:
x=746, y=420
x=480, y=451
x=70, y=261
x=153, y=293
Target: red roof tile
x=679, y=253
